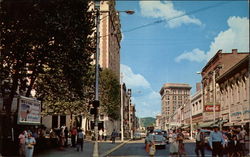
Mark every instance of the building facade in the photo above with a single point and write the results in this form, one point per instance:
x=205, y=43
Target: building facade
x=197, y=107
x=110, y=37
x=216, y=66
x=173, y=96
x=234, y=93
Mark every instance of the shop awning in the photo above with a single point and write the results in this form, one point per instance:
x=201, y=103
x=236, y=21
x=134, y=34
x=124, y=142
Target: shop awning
x=185, y=126
x=222, y=122
x=206, y=124
x=228, y=124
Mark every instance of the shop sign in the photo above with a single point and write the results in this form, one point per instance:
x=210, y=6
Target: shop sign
x=210, y=108
x=246, y=112
x=29, y=111
x=208, y=116
x=236, y=113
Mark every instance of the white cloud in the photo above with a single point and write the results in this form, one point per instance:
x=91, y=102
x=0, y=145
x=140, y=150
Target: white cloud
x=147, y=101
x=166, y=10
x=235, y=37
x=196, y=55
x=133, y=80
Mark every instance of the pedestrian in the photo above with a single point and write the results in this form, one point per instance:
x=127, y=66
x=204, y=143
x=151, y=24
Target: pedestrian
x=180, y=139
x=216, y=142
x=226, y=135
x=234, y=146
x=173, y=147
x=105, y=134
x=241, y=137
x=113, y=136
x=200, y=143
x=100, y=134
x=29, y=145
x=80, y=139
x=62, y=139
x=150, y=145
x=73, y=136
x=66, y=134
x=22, y=139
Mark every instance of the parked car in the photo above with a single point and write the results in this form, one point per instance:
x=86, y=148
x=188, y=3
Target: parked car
x=137, y=136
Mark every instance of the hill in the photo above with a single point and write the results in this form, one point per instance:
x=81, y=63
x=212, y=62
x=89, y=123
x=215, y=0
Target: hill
x=147, y=121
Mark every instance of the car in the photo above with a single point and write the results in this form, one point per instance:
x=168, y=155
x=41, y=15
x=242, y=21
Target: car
x=159, y=139
x=137, y=136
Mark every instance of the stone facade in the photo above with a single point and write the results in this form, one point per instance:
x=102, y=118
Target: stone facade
x=173, y=96
x=216, y=66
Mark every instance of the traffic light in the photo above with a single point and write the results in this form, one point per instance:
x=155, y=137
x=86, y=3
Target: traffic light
x=96, y=103
x=93, y=111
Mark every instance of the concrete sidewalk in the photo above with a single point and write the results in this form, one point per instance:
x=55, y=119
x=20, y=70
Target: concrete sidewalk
x=104, y=148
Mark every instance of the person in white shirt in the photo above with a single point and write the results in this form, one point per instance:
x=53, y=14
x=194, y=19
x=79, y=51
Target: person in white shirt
x=100, y=134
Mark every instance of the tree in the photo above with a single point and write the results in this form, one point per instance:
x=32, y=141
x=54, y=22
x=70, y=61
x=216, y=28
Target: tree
x=42, y=35
x=109, y=94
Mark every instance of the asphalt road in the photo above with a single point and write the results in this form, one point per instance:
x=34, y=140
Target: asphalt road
x=137, y=149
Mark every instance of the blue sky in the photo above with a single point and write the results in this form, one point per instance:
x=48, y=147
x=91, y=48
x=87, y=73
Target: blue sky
x=172, y=51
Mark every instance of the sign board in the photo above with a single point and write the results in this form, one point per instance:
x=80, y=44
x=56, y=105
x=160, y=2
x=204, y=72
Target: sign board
x=246, y=112
x=236, y=113
x=210, y=108
x=209, y=116
x=29, y=111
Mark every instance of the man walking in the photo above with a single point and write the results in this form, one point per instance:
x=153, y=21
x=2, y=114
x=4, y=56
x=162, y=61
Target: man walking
x=216, y=142
x=113, y=136
x=200, y=141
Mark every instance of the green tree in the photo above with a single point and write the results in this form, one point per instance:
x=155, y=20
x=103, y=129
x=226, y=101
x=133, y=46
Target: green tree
x=38, y=35
x=109, y=94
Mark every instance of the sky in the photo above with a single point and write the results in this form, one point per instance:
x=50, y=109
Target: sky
x=169, y=41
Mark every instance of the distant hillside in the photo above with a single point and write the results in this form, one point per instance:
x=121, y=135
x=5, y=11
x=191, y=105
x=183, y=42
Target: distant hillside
x=147, y=121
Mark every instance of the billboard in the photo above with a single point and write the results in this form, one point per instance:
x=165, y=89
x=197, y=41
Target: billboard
x=29, y=111
x=210, y=108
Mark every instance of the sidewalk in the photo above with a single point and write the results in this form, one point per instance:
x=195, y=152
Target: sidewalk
x=69, y=151
x=104, y=148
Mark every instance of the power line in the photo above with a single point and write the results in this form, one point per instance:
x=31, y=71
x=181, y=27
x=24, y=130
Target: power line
x=164, y=20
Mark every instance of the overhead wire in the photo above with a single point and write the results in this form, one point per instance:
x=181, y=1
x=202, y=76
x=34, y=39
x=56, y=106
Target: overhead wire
x=167, y=20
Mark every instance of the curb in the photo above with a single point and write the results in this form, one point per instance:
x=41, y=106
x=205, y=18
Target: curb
x=113, y=149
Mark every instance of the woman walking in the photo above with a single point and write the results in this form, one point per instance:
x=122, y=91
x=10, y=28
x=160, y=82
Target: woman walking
x=173, y=148
x=29, y=145
x=180, y=139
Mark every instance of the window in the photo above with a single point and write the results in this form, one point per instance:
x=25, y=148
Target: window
x=174, y=97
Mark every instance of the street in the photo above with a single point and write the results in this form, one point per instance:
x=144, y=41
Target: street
x=137, y=148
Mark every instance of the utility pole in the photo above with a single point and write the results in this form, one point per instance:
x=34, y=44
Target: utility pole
x=96, y=102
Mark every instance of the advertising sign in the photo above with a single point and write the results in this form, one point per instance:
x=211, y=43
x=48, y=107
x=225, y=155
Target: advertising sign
x=29, y=111
x=236, y=113
x=210, y=108
x=246, y=112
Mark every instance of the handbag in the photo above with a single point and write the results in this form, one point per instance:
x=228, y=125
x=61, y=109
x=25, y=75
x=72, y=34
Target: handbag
x=152, y=150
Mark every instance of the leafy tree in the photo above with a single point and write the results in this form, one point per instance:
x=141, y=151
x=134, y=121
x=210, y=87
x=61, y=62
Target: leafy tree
x=109, y=94
x=52, y=35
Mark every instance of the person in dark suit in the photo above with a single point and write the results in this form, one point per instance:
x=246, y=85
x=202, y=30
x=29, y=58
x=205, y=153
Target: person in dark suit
x=234, y=146
x=200, y=143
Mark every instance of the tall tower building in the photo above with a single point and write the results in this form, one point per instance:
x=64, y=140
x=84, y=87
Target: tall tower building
x=173, y=96
x=110, y=36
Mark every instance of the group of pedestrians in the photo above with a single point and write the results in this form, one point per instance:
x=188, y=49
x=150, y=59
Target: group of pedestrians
x=77, y=138
x=26, y=144
x=176, y=140
x=229, y=142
